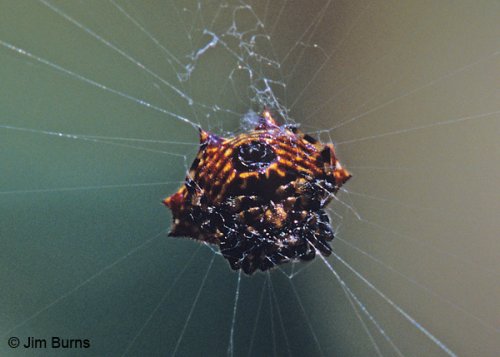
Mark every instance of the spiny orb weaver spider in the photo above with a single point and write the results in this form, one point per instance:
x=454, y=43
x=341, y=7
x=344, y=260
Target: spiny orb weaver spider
x=260, y=196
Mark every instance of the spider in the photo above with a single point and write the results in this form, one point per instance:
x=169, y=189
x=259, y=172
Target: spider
x=259, y=196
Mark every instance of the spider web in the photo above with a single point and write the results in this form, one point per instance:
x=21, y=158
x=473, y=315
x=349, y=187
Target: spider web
x=101, y=102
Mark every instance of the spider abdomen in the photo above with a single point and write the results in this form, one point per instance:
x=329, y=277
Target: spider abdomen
x=259, y=196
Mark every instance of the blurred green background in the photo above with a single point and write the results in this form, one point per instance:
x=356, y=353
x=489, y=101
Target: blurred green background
x=411, y=89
